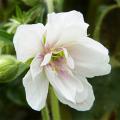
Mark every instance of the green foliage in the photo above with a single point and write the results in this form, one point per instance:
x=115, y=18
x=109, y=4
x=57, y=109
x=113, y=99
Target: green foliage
x=107, y=31
x=7, y=8
x=118, y=1
x=58, y=5
x=34, y=14
x=31, y=2
x=6, y=45
x=16, y=93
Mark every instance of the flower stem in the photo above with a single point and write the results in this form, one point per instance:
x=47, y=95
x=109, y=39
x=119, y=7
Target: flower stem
x=54, y=105
x=50, y=5
x=45, y=113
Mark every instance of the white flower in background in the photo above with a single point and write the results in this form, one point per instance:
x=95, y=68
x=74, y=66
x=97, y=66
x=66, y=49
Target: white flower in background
x=64, y=56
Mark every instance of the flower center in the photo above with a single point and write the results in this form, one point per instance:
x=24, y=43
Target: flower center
x=56, y=57
x=57, y=61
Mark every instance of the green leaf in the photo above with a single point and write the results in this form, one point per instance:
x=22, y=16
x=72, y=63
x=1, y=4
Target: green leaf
x=5, y=36
x=104, y=12
x=6, y=45
x=65, y=112
x=22, y=69
x=38, y=13
x=31, y=2
x=33, y=15
x=118, y=1
x=92, y=8
x=58, y=5
x=7, y=8
x=18, y=12
x=107, y=30
x=16, y=93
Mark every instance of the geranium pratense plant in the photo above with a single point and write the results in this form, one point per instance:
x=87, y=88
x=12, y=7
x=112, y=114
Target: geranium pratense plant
x=64, y=56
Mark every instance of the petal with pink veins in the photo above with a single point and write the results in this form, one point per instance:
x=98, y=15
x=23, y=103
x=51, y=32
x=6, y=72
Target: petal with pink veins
x=46, y=59
x=71, y=90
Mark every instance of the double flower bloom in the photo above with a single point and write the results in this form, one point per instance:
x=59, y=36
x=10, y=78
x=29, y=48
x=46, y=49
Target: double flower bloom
x=64, y=56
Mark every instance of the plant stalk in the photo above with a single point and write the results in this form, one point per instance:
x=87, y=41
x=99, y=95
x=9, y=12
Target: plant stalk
x=50, y=5
x=54, y=105
x=45, y=113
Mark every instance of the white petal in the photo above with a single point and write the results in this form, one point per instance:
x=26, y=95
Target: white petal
x=60, y=17
x=91, y=70
x=65, y=27
x=46, y=59
x=63, y=83
x=69, y=59
x=70, y=62
x=91, y=58
x=35, y=67
x=28, y=41
x=88, y=102
x=36, y=90
x=84, y=105
x=65, y=53
x=75, y=92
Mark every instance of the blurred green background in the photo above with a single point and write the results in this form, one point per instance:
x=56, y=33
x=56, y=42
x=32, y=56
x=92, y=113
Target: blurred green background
x=104, y=19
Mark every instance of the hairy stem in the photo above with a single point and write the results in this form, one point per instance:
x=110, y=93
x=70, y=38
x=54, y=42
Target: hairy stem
x=45, y=113
x=50, y=5
x=54, y=105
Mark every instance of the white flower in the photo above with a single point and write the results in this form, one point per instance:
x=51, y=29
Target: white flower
x=64, y=56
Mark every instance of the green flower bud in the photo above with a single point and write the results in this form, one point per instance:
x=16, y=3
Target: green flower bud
x=8, y=68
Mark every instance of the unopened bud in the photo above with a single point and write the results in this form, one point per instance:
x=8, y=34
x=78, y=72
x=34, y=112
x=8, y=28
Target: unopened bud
x=8, y=68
